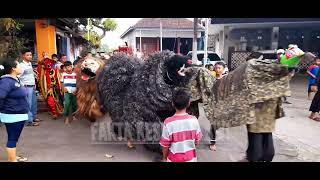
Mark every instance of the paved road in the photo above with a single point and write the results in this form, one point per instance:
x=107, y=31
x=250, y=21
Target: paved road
x=296, y=139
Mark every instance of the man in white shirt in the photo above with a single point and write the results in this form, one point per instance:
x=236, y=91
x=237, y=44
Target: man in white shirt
x=28, y=80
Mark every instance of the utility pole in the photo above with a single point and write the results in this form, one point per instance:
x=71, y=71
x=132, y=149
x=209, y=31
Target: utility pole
x=88, y=25
x=160, y=35
x=206, y=41
x=140, y=42
x=194, y=44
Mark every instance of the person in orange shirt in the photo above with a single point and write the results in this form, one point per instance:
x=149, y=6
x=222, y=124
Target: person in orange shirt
x=211, y=69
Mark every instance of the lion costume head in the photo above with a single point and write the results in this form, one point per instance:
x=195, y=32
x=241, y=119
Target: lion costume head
x=87, y=95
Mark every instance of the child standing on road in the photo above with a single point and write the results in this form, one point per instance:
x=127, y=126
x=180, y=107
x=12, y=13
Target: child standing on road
x=69, y=81
x=181, y=132
x=218, y=69
x=313, y=72
x=211, y=69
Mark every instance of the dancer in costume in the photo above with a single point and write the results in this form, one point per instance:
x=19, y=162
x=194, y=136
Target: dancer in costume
x=50, y=85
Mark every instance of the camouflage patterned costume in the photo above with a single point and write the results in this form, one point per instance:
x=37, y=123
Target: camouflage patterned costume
x=250, y=95
x=266, y=114
x=256, y=87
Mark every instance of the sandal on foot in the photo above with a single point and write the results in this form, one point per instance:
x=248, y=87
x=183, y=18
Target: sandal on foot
x=212, y=147
x=22, y=159
x=37, y=120
x=33, y=124
x=316, y=119
x=130, y=146
x=312, y=116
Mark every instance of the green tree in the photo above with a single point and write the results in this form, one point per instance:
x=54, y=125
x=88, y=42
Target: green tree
x=104, y=25
x=11, y=43
x=94, y=38
x=88, y=26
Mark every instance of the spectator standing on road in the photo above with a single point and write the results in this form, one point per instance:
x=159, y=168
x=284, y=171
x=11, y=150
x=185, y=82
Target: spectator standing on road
x=315, y=104
x=218, y=69
x=313, y=72
x=69, y=86
x=181, y=132
x=28, y=80
x=14, y=105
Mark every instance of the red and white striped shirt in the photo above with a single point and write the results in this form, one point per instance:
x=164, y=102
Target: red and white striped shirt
x=69, y=81
x=181, y=133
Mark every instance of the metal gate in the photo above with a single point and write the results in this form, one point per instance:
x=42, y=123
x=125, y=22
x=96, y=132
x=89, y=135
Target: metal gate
x=236, y=58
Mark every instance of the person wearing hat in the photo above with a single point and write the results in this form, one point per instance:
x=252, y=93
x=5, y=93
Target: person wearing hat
x=280, y=52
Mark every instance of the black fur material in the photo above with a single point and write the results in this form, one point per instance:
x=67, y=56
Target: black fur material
x=135, y=92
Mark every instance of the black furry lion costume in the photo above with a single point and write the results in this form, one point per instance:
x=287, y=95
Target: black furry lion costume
x=139, y=93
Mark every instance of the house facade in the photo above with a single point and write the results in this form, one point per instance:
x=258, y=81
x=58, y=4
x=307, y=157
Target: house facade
x=54, y=36
x=177, y=35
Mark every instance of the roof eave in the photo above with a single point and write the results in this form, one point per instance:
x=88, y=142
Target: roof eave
x=126, y=32
x=175, y=29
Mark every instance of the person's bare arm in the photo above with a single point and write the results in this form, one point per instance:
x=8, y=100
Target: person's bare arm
x=63, y=89
x=198, y=136
x=165, y=142
x=165, y=152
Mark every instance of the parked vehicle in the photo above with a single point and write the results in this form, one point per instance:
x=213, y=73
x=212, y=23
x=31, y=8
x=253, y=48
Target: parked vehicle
x=269, y=54
x=213, y=57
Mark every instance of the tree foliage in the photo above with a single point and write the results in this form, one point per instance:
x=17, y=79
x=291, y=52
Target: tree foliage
x=103, y=24
x=9, y=24
x=11, y=43
x=94, y=38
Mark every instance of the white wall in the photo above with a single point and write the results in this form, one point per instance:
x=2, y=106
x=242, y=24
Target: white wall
x=165, y=33
x=217, y=45
x=131, y=36
x=218, y=41
x=70, y=56
x=130, y=39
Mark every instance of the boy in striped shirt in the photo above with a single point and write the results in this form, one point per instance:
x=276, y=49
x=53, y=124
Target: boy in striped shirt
x=181, y=132
x=69, y=87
